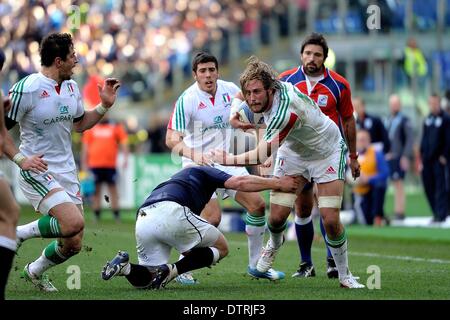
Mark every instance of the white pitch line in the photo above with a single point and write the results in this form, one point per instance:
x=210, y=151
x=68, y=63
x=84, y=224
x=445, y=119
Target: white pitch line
x=372, y=255
x=406, y=258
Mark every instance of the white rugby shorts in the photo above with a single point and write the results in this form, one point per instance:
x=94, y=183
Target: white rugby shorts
x=35, y=186
x=165, y=225
x=329, y=169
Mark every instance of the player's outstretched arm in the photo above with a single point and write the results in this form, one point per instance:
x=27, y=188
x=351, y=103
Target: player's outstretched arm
x=253, y=183
x=253, y=157
x=174, y=140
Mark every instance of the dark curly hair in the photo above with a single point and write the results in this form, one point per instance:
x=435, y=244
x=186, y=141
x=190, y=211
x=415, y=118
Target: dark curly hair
x=53, y=46
x=316, y=39
x=203, y=57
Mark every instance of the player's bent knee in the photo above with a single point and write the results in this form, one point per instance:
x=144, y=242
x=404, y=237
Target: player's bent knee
x=303, y=210
x=257, y=207
x=224, y=253
x=222, y=246
x=73, y=227
x=215, y=221
x=282, y=198
x=333, y=202
x=72, y=246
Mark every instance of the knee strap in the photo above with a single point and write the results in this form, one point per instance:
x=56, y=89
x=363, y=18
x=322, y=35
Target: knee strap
x=57, y=198
x=330, y=202
x=283, y=199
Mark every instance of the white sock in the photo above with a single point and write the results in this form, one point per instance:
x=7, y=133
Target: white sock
x=173, y=270
x=28, y=231
x=126, y=270
x=302, y=221
x=8, y=243
x=276, y=240
x=255, y=236
x=216, y=255
x=341, y=259
x=39, y=266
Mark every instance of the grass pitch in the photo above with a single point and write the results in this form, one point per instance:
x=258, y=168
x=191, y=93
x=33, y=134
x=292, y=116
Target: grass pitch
x=413, y=264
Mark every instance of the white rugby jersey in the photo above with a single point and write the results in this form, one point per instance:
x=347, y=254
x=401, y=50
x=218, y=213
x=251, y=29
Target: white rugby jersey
x=204, y=119
x=298, y=123
x=45, y=112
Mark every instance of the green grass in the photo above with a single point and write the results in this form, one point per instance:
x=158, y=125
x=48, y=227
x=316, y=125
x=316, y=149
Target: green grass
x=406, y=258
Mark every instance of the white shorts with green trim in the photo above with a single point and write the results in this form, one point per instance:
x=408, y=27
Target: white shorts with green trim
x=331, y=168
x=35, y=186
x=165, y=225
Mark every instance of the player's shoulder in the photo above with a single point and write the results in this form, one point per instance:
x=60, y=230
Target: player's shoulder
x=337, y=77
x=190, y=92
x=28, y=84
x=286, y=74
x=289, y=88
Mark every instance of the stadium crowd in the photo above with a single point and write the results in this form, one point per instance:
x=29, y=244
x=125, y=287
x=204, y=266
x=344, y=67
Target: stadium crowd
x=153, y=36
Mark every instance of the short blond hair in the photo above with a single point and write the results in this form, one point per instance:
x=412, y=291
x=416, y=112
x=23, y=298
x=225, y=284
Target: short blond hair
x=259, y=70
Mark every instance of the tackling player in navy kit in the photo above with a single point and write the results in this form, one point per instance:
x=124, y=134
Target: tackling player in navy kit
x=170, y=217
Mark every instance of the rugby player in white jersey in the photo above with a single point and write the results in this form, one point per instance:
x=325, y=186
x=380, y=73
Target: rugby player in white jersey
x=200, y=123
x=48, y=105
x=309, y=145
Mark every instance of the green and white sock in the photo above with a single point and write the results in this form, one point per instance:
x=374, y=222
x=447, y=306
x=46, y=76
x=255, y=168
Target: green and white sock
x=49, y=227
x=254, y=227
x=45, y=227
x=50, y=257
x=338, y=248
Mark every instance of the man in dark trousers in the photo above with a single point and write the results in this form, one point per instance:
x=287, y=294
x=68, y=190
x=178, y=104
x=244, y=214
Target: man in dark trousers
x=434, y=158
x=401, y=137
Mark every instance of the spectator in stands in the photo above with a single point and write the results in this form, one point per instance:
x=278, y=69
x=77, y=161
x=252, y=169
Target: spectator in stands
x=401, y=137
x=370, y=188
x=156, y=134
x=152, y=36
x=415, y=65
x=371, y=123
x=434, y=152
x=99, y=151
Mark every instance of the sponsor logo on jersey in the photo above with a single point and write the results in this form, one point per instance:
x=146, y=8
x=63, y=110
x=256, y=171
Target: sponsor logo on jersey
x=322, y=100
x=218, y=119
x=44, y=95
x=58, y=119
x=63, y=109
x=201, y=105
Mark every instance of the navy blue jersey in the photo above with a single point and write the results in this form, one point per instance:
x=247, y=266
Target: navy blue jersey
x=191, y=187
